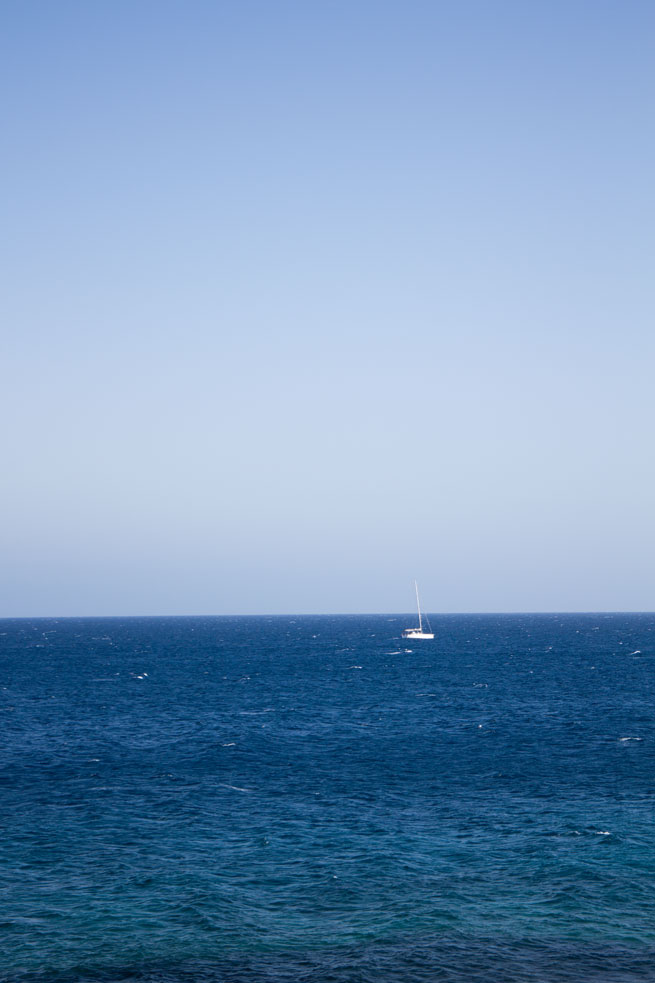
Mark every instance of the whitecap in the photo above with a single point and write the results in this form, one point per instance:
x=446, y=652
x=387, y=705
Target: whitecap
x=229, y=744
x=355, y=667
x=636, y=652
x=236, y=788
x=622, y=739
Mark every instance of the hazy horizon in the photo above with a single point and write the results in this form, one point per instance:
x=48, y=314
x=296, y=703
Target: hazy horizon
x=393, y=615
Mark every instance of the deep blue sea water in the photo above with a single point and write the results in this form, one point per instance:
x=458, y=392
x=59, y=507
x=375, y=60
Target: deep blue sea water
x=305, y=799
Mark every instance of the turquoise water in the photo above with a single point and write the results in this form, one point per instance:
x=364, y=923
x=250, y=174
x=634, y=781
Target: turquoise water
x=311, y=799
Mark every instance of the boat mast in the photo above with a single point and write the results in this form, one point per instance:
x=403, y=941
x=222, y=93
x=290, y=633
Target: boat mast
x=420, y=623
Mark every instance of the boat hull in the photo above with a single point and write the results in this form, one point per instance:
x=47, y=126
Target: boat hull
x=410, y=633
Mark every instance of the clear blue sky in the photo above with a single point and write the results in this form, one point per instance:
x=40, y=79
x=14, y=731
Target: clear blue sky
x=303, y=300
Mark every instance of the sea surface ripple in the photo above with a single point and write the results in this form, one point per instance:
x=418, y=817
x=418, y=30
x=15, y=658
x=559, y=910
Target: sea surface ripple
x=263, y=800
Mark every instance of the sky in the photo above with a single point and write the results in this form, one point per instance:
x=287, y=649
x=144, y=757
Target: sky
x=303, y=301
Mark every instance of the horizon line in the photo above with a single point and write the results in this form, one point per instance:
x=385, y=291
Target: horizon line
x=328, y=614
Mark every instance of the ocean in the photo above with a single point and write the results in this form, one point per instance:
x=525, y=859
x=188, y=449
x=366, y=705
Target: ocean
x=314, y=800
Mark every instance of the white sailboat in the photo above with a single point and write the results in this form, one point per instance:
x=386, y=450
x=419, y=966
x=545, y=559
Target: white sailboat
x=418, y=632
